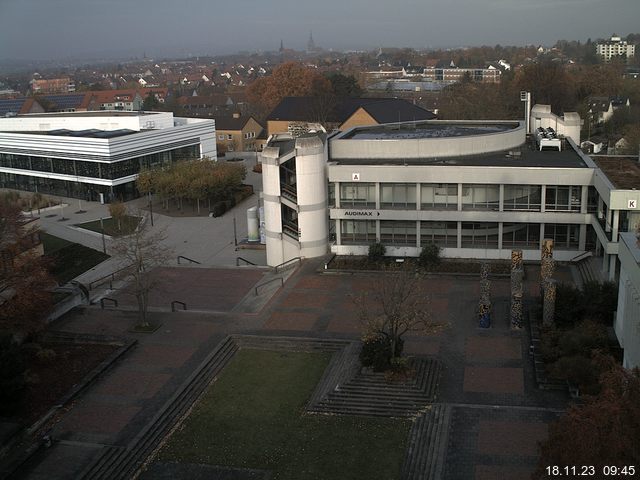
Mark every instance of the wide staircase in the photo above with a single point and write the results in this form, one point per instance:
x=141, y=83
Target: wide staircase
x=371, y=393
x=588, y=268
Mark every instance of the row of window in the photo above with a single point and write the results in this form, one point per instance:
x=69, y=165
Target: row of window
x=229, y=136
x=445, y=234
x=444, y=196
x=109, y=171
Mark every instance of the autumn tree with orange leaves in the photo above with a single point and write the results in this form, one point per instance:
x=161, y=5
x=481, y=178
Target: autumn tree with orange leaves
x=289, y=79
x=25, y=283
x=604, y=430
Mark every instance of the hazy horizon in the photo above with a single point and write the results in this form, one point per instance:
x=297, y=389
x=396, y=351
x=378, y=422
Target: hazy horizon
x=64, y=29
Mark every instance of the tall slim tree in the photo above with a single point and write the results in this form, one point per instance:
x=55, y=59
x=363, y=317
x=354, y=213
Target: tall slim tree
x=143, y=251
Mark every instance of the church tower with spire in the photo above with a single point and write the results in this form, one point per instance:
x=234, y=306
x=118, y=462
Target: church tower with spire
x=311, y=46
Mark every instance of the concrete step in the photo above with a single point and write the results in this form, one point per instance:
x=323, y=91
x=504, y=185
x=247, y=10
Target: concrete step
x=123, y=463
x=425, y=456
x=369, y=393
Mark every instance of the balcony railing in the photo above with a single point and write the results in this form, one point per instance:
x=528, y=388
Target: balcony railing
x=291, y=229
x=289, y=191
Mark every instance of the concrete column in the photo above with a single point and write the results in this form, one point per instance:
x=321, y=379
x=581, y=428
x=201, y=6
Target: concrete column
x=541, y=236
x=418, y=197
x=615, y=225
x=378, y=196
x=600, y=207
x=584, y=199
x=500, y=226
x=418, y=240
x=607, y=227
x=543, y=199
x=459, y=234
x=459, y=197
x=612, y=267
x=378, y=237
x=582, y=238
x=501, y=208
x=272, y=209
x=338, y=233
x=337, y=194
x=311, y=161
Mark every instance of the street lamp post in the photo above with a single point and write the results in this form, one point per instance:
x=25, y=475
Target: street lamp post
x=150, y=208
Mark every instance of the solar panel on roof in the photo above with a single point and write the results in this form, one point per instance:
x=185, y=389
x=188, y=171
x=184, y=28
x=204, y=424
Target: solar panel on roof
x=65, y=101
x=11, y=105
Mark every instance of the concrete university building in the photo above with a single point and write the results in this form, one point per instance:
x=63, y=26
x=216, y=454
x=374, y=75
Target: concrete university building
x=478, y=189
x=95, y=155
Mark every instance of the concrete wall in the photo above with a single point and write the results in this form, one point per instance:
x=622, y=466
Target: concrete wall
x=568, y=125
x=345, y=148
x=627, y=322
x=103, y=121
x=278, y=126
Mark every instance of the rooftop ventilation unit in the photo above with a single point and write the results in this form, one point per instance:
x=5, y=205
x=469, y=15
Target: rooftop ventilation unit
x=546, y=138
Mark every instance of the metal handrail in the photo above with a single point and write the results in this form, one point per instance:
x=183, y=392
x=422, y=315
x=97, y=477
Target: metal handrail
x=268, y=282
x=581, y=256
x=173, y=305
x=115, y=302
x=284, y=264
x=187, y=258
x=244, y=260
x=110, y=276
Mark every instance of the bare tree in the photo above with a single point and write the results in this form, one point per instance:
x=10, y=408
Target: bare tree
x=143, y=251
x=118, y=212
x=395, y=305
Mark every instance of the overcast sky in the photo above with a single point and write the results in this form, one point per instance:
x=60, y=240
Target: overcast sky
x=52, y=29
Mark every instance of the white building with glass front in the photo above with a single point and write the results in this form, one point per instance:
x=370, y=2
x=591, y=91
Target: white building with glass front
x=478, y=189
x=96, y=155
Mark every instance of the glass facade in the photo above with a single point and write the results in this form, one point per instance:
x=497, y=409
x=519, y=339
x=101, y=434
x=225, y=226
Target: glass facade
x=398, y=232
x=522, y=198
x=521, y=235
x=479, y=235
x=443, y=234
x=103, y=170
x=564, y=236
x=358, y=232
x=563, y=198
x=87, y=169
x=398, y=195
x=480, y=197
x=358, y=195
x=439, y=196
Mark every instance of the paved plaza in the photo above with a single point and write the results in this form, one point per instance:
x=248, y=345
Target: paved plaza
x=497, y=413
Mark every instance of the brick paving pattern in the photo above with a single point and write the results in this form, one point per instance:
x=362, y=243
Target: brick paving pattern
x=493, y=380
x=493, y=436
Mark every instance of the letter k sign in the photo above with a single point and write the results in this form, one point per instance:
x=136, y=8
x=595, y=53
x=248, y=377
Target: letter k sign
x=632, y=204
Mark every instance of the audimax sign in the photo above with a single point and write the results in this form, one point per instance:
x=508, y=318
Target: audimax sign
x=361, y=213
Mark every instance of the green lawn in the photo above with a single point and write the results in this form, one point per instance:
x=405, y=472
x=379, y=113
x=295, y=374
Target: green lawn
x=52, y=244
x=111, y=227
x=253, y=417
x=69, y=259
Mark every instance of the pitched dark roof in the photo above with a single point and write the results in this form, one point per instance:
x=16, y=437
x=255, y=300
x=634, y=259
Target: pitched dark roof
x=305, y=109
x=231, y=123
x=397, y=111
